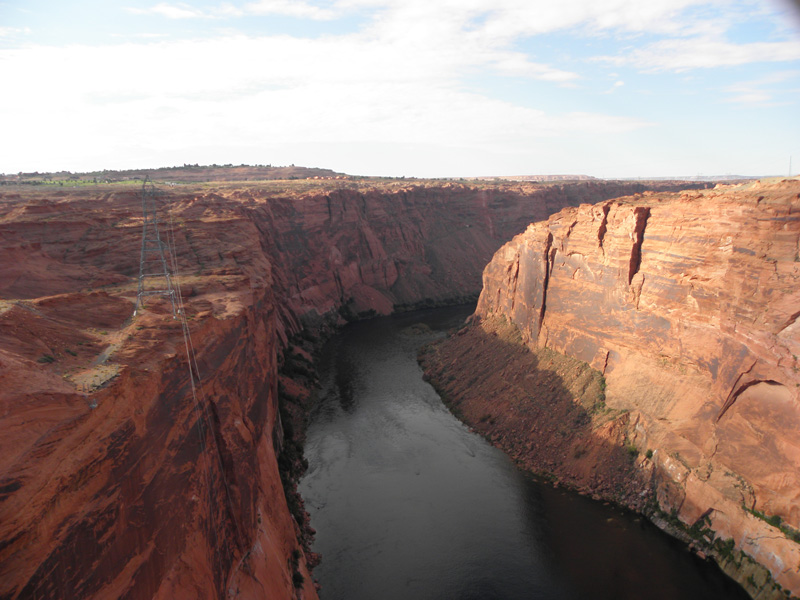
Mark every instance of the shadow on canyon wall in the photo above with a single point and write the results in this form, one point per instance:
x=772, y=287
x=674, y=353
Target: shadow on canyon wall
x=544, y=409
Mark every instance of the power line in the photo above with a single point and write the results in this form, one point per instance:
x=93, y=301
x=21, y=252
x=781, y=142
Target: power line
x=194, y=370
x=152, y=263
x=154, y=266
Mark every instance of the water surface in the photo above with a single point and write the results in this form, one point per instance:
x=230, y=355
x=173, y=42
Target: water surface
x=409, y=504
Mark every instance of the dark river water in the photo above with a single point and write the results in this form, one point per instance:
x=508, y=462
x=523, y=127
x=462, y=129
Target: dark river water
x=408, y=504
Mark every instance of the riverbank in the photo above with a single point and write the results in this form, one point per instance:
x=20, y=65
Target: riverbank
x=548, y=412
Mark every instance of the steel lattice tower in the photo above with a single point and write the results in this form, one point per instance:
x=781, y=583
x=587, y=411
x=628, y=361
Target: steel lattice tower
x=153, y=263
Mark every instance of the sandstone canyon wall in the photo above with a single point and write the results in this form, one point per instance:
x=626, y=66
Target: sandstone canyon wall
x=688, y=304
x=116, y=481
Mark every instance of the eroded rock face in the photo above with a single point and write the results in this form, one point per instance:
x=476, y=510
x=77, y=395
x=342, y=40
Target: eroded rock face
x=117, y=481
x=689, y=304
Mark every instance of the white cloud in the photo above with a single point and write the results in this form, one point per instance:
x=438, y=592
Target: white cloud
x=517, y=64
x=496, y=20
x=762, y=91
x=170, y=11
x=143, y=36
x=289, y=8
x=7, y=32
x=397, y=78
x=695, y=53
x=251, y=92
x=512, y=18
x=489, y=31
x=617, y=84
x=456, y=35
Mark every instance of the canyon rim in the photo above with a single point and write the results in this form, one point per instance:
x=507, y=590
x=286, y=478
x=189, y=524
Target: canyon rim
x=112, y=484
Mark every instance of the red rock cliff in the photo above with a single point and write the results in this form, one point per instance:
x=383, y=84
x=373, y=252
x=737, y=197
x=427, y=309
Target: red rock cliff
x=689, y=304
x=114, y=481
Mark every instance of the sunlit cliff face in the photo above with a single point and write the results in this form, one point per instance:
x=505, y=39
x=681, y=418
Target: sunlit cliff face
x=688, y=303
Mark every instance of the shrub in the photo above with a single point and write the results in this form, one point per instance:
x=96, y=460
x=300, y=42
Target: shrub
x=296, y=554
x=298, y=580
x=774, y=520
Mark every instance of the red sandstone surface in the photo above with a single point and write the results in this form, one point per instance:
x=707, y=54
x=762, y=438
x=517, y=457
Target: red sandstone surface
x=688, y=304
x=113, y=482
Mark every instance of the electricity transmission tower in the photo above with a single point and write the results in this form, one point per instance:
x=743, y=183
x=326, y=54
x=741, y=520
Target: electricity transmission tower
x=153, y=263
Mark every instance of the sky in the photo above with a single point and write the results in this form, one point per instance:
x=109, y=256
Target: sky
x=414, y=88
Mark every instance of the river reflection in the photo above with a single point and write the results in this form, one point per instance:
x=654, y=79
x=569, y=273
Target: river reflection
x=408, y=504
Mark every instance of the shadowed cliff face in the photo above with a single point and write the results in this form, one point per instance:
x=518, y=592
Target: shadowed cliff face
x=544, y=409
x=114, y=481
x=688, y=303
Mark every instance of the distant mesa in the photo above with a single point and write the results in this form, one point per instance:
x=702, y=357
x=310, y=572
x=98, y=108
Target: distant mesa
x=184, y=174
x=538, y=178
x=548, y=178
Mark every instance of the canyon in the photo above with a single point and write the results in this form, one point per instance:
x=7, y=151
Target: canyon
x=127, y=473
x=646, y=350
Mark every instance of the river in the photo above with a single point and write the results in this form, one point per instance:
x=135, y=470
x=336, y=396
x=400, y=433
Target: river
x=409, y=504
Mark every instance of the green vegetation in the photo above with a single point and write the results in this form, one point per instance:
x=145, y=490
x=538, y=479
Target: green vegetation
x=46, y=358
x=294, y=563
x=727, y=556
x=726, y=548
x=776, y=521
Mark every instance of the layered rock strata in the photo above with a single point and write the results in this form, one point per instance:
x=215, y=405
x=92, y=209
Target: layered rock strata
x=688, y=304
x=119, y=476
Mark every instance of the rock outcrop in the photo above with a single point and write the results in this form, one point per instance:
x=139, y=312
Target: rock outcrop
x=688, y=304
x=122, y=475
